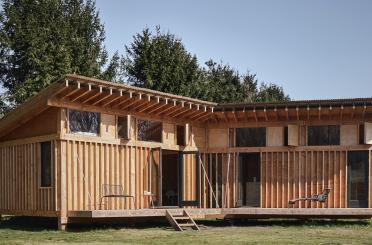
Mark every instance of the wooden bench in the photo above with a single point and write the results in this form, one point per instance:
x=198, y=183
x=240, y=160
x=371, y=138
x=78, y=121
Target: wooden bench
x=114, y=191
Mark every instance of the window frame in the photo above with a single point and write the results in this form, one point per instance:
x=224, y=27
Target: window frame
x=236, y=138
x=51, y=166
x=128, y=127
x=153, y=120
x=84, y=133
x=320, y=125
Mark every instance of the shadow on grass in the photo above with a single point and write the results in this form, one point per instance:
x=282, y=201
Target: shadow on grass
x=50, y=224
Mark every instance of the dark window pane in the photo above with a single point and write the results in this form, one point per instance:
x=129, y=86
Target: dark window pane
x=285, y=143
x=123, y=127
x=46, y=164
x=250, y=137
x=323, y=135
x=180, y=135
x=361, y=134
x=358, y=179
x=149, y=130
x=84, y=122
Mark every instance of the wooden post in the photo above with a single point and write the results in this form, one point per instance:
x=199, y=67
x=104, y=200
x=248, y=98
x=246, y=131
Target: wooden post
x=62, y=219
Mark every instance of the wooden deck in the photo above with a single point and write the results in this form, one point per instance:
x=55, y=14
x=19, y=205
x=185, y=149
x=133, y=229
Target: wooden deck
x=254, y=213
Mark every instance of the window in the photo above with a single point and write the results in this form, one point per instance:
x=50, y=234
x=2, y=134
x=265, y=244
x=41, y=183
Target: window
x=84, y=122
x=181, y=135
x=149, y=130
x=45, y=164
x=361, y=134
x=123, y=127
x=250, y=137
x=285, y=138
x=323, y=135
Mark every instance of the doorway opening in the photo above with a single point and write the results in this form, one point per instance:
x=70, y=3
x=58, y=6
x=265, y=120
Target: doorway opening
x=249, y=179
x=170, y=178
x=357, y=186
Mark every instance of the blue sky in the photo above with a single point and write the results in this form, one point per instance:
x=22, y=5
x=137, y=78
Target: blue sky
x=314, y=49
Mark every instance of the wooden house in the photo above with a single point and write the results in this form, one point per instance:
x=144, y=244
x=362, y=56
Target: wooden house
x=86, y=148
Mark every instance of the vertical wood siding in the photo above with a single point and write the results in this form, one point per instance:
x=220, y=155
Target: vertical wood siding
x=294, y=174
x=90, y=165
x=19, y=180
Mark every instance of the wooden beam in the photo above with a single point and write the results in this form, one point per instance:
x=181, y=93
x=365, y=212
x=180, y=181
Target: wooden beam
x=266, y=117
x=353, y=112
x=255, y=115
x=308, y=113
x=287, y=113
x=276, y=113
x=71, y=91
x=185, y=110
x=245, y=114
x=320, y=112
x=126, y=99
x=234, y=116
x=111, y=101
x=341, y=112
x=82, y=94
x=364, y=111
x=159, y=107
x=102, y=99
x=94, y=96
x=298, y=114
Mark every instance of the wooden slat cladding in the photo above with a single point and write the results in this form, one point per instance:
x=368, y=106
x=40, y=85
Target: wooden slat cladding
x=20, y=190
x=89, y=165
x=293, y=174
x=217, y=183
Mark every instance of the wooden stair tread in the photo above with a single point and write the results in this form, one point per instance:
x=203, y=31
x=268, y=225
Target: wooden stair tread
x=181, y=218
x=173, y=220
x=186, y=224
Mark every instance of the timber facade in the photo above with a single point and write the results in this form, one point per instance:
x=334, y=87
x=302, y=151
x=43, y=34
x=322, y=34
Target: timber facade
x=63, y=150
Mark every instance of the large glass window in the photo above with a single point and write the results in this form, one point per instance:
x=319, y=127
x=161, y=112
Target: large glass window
x=84, y=122
x=46, y=164
x=149, y=130
x=123, y=127
x=250, y=137
x=323, y=135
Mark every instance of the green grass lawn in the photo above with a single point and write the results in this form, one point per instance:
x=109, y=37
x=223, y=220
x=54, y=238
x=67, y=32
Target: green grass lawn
x=43, y=231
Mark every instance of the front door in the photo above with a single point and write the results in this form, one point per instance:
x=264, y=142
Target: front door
x=248, y=179
x=357, y=186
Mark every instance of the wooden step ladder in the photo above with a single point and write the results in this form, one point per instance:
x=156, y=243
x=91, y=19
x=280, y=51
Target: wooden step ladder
x=181, y=222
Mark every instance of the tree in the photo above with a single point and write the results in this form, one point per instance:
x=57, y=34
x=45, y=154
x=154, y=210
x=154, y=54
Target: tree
x=271, y=92
x=160, y=61
x=42, y=40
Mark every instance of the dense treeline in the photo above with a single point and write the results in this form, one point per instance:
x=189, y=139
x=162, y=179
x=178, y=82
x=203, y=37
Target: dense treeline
x=42, y=40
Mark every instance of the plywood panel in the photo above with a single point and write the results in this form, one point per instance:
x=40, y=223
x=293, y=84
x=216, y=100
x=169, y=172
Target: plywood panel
x=293, y=135
x=349, y=135
x=368, y=133
x=169, y=133
x=217, y=138
x=108, y=126
x=43, y=124
x=275, y=136
x=199, y=137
